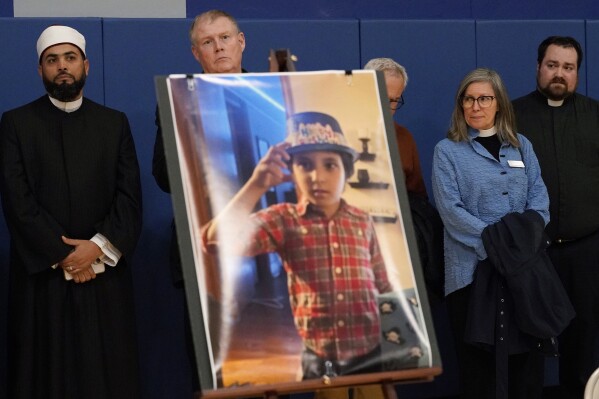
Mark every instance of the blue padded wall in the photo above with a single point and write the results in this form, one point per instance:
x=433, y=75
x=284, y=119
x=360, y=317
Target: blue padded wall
x=592, y=58
x=319, y=45
x=510, y=47
x=533, y=10
x=406, y=9
x=317, y=9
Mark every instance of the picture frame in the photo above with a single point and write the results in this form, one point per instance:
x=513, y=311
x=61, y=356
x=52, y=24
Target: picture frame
x=248, y=337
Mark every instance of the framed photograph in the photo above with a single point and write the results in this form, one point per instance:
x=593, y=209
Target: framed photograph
x=298, y=251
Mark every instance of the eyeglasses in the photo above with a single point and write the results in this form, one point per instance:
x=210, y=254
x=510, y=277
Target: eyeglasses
x=397, y=103
x=483, y=101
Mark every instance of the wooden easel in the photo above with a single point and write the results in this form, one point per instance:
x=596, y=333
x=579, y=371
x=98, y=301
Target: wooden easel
x=281, y=60
x=388, y=391
x=386, y=379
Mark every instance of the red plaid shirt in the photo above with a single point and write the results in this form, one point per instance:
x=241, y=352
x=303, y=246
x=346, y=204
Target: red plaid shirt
x=334, y=270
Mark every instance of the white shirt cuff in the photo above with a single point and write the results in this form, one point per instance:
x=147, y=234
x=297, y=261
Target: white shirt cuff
x=110, y=254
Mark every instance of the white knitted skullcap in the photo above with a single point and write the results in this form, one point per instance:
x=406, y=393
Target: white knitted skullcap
x=58, y=34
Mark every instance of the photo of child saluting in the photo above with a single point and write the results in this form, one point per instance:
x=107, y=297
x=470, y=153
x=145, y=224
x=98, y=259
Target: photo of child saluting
x=329, y=248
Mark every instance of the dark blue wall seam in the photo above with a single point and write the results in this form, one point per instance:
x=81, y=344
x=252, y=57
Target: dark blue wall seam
x=359, y=42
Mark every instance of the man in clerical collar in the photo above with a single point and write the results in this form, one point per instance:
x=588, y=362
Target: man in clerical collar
x=71, y=195
x=557, y=69
x=563, y=126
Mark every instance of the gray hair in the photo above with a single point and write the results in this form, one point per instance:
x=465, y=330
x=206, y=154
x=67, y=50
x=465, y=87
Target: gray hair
x=387, y=65
x=505, y=121
x=210, y=16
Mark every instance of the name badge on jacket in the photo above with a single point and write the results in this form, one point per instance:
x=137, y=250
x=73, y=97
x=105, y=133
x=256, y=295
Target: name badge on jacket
x=515, y=164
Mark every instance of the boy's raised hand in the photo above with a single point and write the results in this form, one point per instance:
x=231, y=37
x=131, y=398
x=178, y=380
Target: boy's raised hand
x=271, y=170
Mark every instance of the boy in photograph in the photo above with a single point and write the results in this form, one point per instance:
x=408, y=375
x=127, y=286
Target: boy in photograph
x=330, y=251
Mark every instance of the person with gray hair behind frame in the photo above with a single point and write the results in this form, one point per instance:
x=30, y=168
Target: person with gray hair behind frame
x=396, y=80
x=427, y=223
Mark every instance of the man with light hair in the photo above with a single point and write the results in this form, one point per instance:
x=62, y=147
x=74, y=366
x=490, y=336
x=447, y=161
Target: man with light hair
x=396, y=80
x=217, y=44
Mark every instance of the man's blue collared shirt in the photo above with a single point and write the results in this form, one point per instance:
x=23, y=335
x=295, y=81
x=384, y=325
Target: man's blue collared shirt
x=472, y=190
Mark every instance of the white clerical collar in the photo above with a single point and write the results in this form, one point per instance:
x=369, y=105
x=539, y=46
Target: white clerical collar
x=554, y=103
x=487, y=132
x=70, y=106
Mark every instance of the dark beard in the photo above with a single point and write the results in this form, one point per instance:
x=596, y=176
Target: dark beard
x=553, y=94
x=65, y=91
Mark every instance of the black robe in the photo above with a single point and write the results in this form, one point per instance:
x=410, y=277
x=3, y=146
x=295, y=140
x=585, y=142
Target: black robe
x=566, y=142
x=73, y=174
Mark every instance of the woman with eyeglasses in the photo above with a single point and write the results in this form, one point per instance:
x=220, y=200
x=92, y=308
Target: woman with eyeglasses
x=483, y=171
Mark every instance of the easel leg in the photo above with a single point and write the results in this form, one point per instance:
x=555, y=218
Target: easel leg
x=270, y=395
x=389, y=390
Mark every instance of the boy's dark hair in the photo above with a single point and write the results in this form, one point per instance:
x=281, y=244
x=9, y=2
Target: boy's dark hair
x=348, y=164
x=346, y=159
x=562, y=41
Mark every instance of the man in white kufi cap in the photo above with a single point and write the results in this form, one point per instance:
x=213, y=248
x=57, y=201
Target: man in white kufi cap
x=63, y=65
x=71, y=197
x=59, y=34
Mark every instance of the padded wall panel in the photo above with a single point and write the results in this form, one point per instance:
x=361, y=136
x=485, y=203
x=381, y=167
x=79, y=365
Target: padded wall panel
x=533, y=10
x=319, y=45
x=436, y=55
x=135, y=51
x=592, y=58
x=6, y=9
x=317, y=9
x=510, y=47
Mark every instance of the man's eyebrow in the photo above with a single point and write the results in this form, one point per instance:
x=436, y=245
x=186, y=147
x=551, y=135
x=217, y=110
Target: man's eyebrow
x=557, y=62
x=56, y=54
x=227, y=32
